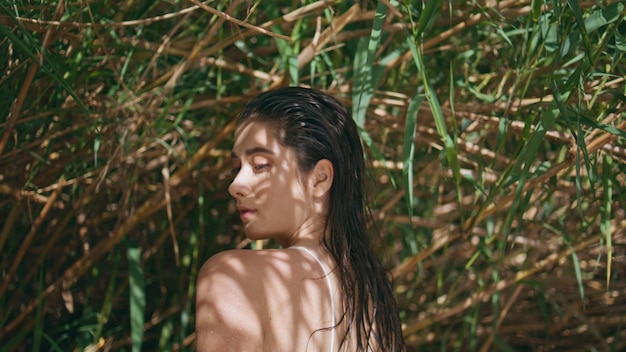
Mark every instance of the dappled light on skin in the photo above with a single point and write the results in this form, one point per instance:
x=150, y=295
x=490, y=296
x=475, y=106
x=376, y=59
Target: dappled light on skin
x=260, y=283
x=269, y=186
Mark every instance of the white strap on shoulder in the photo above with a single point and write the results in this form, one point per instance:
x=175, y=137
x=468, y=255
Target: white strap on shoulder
x=330, y=289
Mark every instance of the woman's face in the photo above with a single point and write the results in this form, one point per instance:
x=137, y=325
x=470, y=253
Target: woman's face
x=273, y=197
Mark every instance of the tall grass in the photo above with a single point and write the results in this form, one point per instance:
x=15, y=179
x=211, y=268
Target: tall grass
x=495, y=133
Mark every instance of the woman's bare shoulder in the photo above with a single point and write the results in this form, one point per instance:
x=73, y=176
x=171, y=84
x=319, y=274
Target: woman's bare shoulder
x=255, y=272
x=231, y=299
x=245, y=274
x=238, y=293
x=245, y=262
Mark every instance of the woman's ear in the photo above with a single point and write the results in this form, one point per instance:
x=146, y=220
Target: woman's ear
x=322, y=177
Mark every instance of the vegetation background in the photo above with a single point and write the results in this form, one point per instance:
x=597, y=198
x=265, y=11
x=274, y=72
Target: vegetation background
x=495, y=133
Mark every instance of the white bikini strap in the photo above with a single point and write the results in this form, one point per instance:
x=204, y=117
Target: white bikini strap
x=330, y=289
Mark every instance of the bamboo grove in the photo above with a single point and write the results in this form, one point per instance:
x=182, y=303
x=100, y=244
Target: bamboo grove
x=495, y=135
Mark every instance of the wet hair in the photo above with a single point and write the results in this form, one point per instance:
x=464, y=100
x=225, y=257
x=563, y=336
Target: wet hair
x=318, y=127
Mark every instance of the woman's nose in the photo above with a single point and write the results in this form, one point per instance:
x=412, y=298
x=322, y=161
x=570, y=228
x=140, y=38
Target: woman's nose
x=239, y=187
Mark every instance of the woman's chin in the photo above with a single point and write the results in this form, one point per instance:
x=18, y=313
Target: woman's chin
x=253, y=235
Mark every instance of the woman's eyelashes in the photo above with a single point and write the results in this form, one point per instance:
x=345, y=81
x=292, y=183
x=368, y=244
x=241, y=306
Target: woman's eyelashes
x=258, y=168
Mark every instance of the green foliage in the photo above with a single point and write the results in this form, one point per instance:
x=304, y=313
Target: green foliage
x=495, y=134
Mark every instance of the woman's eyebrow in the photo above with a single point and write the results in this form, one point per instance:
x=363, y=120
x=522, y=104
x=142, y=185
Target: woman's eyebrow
x=255, y=150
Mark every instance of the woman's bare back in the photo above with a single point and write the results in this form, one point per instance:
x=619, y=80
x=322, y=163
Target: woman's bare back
x=269, y=300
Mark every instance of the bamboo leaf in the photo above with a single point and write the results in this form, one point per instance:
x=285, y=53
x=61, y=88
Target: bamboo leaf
x=536, y=125
x=605, y=217
x=408, y=149
x=620, y=41
x=364, y=80
x=603, y=16
x=137, y=288
x=536, y=6
x=599, y=125
x=53, y=344
x=362, y=90
x=575, y=6
x=449, y=145
x=579, y=276
x=51, y=71
x=428, y=15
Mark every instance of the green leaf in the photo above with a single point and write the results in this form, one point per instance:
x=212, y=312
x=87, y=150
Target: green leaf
x=605, y=216
x=362, y=89
x=51, y=71
x=449, y=145
x=581, y=23
x=408, y=149
x=536, y=9
x=137, y=296
x=578, y=273
x=430, y=12
x=604, y=16
x=292, y=63
x=364, y=80
x=367, y=140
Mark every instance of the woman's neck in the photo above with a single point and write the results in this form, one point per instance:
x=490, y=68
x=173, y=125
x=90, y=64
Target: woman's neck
x=309, y=235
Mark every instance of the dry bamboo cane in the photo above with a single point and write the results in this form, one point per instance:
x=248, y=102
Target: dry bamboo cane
x=500, y=286
x=16, y=108
x=149, y=207
x=29, y=238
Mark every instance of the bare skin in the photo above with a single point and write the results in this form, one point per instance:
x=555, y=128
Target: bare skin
x=271, y=300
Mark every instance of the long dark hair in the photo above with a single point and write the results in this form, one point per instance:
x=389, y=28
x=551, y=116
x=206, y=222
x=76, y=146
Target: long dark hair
x=318, y=127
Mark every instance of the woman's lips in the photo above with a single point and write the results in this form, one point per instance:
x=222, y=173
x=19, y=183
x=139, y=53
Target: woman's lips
x=245, y=213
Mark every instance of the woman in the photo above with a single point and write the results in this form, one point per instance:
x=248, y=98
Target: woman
x=299, y=180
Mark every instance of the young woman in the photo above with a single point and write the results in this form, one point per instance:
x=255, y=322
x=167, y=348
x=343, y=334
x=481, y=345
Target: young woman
x=299, y=180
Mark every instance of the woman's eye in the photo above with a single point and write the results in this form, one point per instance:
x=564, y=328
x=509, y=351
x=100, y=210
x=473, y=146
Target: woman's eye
x=235, y=170
x=261, y=167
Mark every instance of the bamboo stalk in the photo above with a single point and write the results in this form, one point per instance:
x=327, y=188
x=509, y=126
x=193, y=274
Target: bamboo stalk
x=500, y=286
x=29, y=238
x=150, y=206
